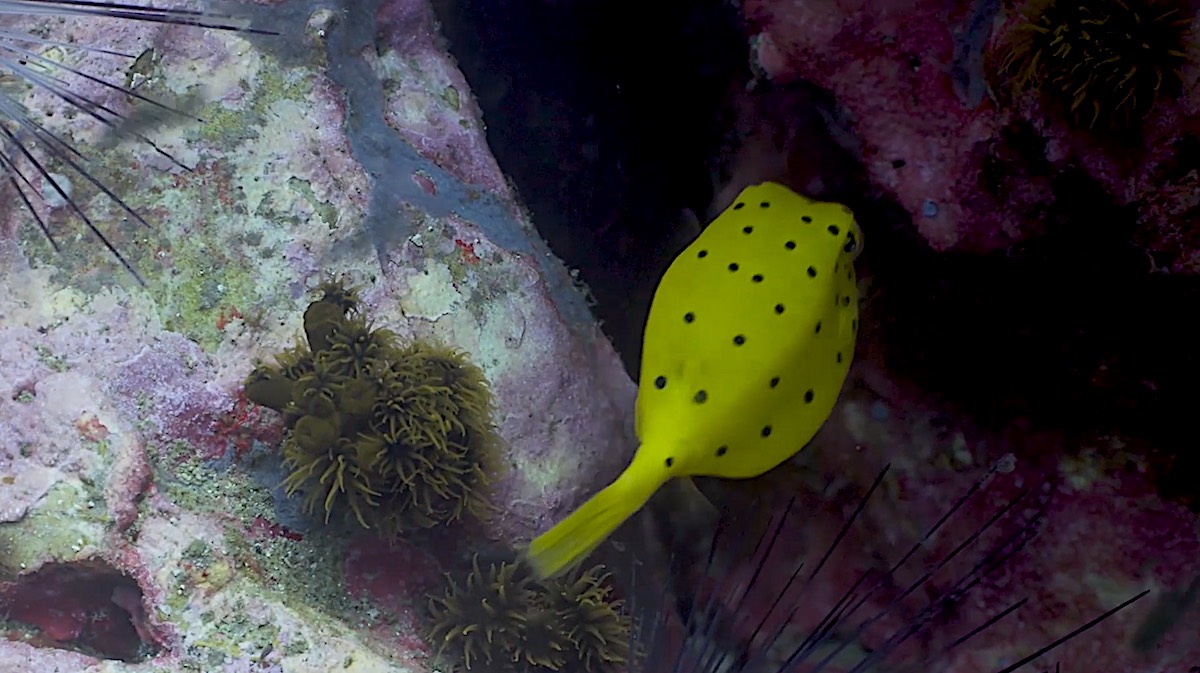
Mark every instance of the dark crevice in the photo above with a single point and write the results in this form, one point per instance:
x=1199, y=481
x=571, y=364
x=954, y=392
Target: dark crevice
x=606, y=125
x=1069, y=330
x=85, y=606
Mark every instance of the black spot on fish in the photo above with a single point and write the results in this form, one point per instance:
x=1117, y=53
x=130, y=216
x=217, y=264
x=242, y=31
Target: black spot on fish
x=757, y=278
x=851, y=243
x=808, y=396
x=733, y=266
x=846, y=300
x=812, y=272
x=747, y=230
x=818, y=330
x=722, y=450
x=833, y=229
x=779, y=309
x=790, y=245
x=702, y=254
x=839, y=358
x=765, y=204
x=806, y=219
x=701, y=397
x=689, y=317
x=739, y=340
x=670, y=462
x=854, y=325
x=739, y=205
x=766, y=431
x=774, y=381
x=660, y=382
x=836, y=267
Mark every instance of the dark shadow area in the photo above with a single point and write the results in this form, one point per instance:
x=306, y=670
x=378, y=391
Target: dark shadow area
x=606, y=125
x=1070, y=331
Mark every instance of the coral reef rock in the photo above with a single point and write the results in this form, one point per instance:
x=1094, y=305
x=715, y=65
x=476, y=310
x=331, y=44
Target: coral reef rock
x=976, y=151
x=130, y=458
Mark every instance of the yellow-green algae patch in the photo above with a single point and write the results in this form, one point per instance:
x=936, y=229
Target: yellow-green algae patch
x=69, y=522
x=303, y=572
x=206, y=222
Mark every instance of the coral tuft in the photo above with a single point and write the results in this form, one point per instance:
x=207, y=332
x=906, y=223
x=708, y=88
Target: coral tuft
x=591, y=619
x=396, y=435
x=504, y=616
x=483, y=616
x=1107, y=61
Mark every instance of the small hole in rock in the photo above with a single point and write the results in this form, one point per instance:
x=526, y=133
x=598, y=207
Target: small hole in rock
x=87, y=606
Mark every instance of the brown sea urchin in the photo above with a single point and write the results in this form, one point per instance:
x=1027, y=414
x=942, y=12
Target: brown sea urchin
x=1106, y=61
x=501, y=615
x=395, y=435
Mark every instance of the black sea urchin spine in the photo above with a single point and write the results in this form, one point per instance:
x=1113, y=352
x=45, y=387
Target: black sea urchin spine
x=28, y=148
x=706, y=633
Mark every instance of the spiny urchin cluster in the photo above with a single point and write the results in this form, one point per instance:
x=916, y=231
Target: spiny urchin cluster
x=749, y=605
x=1105, y=61
x=395, y=435
x=501, y=616
x=32, y=154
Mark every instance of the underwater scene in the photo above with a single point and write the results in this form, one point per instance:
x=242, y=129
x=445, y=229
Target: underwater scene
x=594, y=336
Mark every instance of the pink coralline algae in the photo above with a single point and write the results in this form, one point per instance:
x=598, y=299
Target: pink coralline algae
x=975, y=175
x=398, y=580
x=890, y=68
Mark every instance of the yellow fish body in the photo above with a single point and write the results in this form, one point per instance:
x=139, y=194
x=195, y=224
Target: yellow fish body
x=748, y=342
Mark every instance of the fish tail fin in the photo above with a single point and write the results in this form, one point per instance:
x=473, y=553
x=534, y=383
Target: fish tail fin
x=571, y=540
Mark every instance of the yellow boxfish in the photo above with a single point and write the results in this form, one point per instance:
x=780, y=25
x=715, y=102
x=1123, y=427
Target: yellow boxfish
x=749, y=339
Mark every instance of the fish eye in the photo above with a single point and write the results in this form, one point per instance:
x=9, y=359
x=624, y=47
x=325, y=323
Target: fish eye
x=851, y=243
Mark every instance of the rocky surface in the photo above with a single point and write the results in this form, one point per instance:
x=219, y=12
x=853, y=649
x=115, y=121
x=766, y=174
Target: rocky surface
x=131, y=464
x=977, y=168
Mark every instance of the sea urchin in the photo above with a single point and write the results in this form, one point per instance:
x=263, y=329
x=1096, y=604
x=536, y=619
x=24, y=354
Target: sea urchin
x=1106, y=61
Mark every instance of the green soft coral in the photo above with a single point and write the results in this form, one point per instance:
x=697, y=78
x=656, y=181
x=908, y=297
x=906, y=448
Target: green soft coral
x=1107, y=62
x=502, y=616
x=395, y=436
